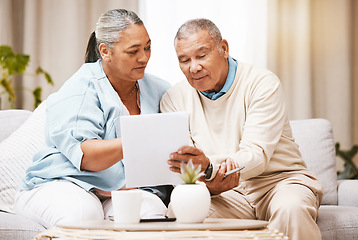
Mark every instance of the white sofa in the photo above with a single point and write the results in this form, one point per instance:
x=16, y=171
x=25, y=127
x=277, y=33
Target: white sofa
x=338, y=216
x=21, y=133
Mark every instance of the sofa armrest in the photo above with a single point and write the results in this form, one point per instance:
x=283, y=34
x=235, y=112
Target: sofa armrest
x=348, y=192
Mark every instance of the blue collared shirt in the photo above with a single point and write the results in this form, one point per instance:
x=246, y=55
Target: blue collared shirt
x=228, y=82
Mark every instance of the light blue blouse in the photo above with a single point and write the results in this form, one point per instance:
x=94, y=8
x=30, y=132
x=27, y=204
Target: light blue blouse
x=86, y=107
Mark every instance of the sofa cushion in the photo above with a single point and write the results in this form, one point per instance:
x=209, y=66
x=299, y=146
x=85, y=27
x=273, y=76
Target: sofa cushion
x=17, y=227
x=316, y=144
x=11, y=120
x=337, y=222
x=16, y=154
x=348, y=192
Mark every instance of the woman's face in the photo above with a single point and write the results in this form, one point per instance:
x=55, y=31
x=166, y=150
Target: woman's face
x=129, y=57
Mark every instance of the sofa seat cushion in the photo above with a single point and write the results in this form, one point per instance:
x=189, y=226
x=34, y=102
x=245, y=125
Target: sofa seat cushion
x=17, y=227
x=316, y=143
x=16, y=154
x=338, y=222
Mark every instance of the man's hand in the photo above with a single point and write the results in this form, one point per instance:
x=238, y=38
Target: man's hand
x=184, y=155
x=220, y=184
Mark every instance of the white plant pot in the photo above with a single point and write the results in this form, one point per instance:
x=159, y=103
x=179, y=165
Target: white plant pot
x=190, y=202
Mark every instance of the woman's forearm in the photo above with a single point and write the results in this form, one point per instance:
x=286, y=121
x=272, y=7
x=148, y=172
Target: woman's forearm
x=99, y=155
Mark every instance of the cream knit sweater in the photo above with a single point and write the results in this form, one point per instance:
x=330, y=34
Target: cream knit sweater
x=248, y=124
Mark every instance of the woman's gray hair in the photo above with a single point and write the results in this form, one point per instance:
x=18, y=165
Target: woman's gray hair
x=112, y=23
x=195, y=25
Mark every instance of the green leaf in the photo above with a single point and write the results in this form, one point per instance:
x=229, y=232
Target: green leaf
x=5, y=51
x=190, y=173
x=39, y=70
x=6, y=84
x=350, y=169
x=37, y=96
x=13, y=63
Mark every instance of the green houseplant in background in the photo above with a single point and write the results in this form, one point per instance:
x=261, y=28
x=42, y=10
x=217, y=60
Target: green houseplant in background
x=350, y=169
x=12, y=64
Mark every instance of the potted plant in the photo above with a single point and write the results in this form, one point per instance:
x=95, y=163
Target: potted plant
x=350, y=169
x=12, y=64
x=190, y=201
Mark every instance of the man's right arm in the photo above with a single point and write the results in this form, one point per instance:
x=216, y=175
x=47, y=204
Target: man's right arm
x=219, y=183
x=216, y=184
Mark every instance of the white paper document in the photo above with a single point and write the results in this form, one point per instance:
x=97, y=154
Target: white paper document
x=148, y=140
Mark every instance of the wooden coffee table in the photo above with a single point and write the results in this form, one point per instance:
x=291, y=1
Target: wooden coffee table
x=210, y=229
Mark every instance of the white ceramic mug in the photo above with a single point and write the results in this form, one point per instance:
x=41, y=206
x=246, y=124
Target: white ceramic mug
x=126, y=206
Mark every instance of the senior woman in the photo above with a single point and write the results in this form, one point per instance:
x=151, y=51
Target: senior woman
x=71, y=176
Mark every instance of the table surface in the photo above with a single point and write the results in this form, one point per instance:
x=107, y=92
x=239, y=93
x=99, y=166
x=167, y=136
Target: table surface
x=210, y=229
x=207, y=224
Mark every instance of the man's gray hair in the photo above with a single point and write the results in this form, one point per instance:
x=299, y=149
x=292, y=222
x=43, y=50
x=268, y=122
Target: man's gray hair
x=195, y=25
x=112, y=23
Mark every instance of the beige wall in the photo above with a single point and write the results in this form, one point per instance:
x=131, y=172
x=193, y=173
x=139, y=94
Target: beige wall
x=354, y=67
x=313, y=50
x=54, y=33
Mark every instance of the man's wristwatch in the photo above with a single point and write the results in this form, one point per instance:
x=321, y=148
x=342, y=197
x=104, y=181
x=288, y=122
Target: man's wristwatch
x=208, y=171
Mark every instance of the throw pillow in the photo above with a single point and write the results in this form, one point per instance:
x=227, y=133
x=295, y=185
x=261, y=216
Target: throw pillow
x=316, y=143
x=13, y=119
x=16, y=154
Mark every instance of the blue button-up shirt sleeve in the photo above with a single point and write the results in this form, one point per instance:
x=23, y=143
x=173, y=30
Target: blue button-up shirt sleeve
x=74, y=119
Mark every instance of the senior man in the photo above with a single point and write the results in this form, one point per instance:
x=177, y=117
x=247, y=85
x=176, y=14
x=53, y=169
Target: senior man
x=237, y=117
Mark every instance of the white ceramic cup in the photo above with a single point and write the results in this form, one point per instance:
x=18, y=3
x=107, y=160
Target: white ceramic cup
x=126, y=206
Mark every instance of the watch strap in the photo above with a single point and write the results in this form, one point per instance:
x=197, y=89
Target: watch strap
x=208, y=171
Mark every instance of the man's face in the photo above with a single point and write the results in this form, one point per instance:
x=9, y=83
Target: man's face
x=201, y=62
